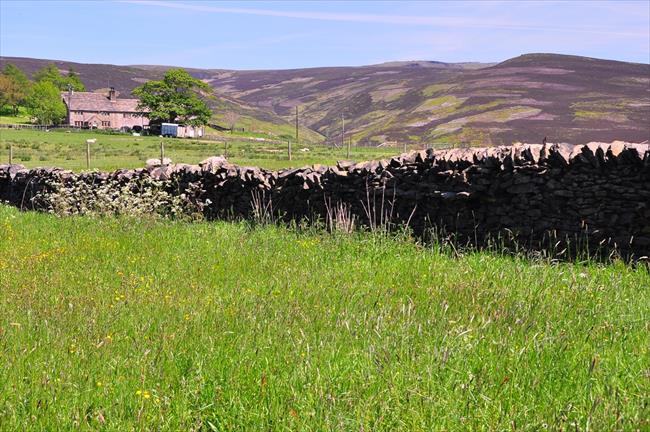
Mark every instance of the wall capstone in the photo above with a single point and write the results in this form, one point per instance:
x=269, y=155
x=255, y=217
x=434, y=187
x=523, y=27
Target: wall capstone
x=539, y=195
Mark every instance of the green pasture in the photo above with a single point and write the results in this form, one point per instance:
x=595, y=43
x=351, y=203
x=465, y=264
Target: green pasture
x=121, y=324
x=67, y=149
x=7, y=116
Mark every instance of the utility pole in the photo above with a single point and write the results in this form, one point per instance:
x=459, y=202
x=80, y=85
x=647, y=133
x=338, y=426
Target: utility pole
x=87, y=154
x=342, y=130
x=296, y=124
x=289, y=148
x=343, y=137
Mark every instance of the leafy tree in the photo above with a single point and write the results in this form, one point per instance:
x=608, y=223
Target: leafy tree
x=175, y=98
x=14, y=86
x=12, y=71
x=5, y=88
x=50, y=73
x=10, y=93
x=44, y=103
x=75, y=81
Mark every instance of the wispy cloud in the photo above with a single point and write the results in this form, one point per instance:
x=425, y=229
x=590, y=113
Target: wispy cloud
x=439, y=21
x=241, y=45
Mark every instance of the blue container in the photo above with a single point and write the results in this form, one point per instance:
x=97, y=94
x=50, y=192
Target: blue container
x=169, y=130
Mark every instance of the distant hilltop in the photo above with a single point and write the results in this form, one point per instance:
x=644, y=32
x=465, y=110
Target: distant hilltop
x=564, y=98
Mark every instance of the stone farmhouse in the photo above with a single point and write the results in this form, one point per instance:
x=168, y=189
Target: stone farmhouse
x=103, y=111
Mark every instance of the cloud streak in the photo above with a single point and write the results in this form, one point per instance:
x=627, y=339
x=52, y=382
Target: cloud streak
x=411, y=20
x=263, y=41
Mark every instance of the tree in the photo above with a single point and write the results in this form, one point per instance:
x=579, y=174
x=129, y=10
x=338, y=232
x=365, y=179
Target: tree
x=175, y=98
x=10, y=93
x=14, y=86
x=75, y=81
x=44, y=103
x=12, y=71
x=231, y=118
x=51, y=73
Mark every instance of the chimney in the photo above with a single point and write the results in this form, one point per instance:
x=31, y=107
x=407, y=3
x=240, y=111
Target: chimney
x=111, y=94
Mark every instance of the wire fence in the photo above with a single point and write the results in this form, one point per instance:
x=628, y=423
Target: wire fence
x=24, y=126
x=93, y=153
x=113, y=152
x=79, y=149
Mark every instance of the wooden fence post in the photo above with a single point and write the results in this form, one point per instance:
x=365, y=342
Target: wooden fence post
x=289, y=148
x=11, y=153
x=162, y=153
x=87, y=154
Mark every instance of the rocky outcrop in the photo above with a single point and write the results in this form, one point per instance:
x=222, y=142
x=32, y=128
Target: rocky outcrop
x=595, y=196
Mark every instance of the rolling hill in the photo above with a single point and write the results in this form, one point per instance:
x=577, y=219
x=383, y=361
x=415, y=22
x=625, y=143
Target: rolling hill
x=126, y=78
x=565, y=98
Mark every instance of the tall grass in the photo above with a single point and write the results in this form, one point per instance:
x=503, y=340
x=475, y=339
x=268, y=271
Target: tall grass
x=124, y=324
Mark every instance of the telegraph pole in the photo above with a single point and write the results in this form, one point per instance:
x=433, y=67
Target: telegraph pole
x=343, y=136
x=296, y=124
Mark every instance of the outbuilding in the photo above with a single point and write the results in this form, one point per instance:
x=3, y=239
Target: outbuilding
x=181, y=131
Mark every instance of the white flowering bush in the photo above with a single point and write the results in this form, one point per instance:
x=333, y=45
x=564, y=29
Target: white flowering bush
x=140, y=197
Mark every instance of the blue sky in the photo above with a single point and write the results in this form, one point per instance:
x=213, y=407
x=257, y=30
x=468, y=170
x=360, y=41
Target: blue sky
x=279, y=35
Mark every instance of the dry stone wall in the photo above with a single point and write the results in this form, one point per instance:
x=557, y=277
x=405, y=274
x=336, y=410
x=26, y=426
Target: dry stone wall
x=539, y=195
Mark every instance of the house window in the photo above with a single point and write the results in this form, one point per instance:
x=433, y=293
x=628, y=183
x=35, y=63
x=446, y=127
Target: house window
x=106, y=123
x=78, y=124
x=127, y=115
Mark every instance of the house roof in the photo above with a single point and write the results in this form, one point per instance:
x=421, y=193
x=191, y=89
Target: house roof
x=88, y=101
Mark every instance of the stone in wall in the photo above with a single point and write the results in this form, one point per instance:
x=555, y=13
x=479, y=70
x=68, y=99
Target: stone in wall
x=538, y=195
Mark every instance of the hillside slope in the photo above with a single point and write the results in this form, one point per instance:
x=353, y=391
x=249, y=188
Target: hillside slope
x=126, y=78
x=565, y=98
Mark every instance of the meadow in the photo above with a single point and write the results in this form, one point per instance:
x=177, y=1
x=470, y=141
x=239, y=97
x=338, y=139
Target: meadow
x=67, y=149
x=139, y=324
x=7, y=116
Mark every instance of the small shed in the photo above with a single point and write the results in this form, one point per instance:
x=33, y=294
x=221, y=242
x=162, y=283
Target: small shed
x=181, y=131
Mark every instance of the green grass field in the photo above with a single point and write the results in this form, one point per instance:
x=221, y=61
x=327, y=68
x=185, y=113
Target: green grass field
x=7, y=116
x=122, y=324
x=68, y=150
